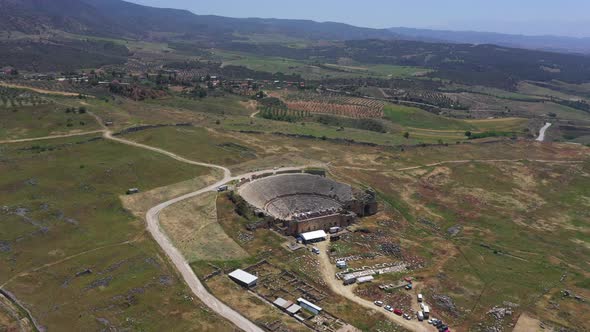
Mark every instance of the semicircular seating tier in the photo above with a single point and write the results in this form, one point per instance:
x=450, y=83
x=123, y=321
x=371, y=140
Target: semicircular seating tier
x=288, y=195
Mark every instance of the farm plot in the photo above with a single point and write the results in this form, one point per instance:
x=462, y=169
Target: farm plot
x=358, y=108
x=10, y=97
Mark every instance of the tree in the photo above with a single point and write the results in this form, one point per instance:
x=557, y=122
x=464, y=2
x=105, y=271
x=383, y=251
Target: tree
x=468, y=133
x=406, y=135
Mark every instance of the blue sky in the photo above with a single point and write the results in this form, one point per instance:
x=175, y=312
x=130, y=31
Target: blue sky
x=531, y=17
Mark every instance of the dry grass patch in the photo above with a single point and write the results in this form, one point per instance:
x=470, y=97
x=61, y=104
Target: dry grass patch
x=140, y=203
x=192, y=226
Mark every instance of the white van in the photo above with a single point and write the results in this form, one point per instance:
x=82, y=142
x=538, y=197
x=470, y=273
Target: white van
x=420, y=316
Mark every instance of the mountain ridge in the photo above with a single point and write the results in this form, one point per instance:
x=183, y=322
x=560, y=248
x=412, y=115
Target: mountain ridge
x=118, y=18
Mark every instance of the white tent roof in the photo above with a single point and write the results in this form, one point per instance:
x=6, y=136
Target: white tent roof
x=314, y=235
x=243, y=276
x=309, y=304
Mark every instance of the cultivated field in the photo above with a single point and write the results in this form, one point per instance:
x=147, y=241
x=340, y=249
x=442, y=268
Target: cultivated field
x=358, y=108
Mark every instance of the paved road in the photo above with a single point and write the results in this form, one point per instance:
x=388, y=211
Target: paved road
x=541, y=137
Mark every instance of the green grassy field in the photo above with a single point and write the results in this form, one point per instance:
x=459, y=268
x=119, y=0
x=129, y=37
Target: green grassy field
x=196, y=143
x=417, y=118
x=312, y=71
x=531, y=89
x=61, y=207
x=227, y=105
x=42, y=120
x=522, y=95
x=314, y=129
x=389, y=71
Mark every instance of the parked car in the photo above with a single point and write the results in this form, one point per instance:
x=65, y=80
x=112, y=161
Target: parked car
x=406, y=316
x=389, y=308
x=420, y=315
x=420, y=298
x=398, y=312
x=378, y=303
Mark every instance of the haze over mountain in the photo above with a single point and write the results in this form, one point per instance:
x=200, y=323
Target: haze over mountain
x=541, y=42
x=527, y=17
x=124, y=19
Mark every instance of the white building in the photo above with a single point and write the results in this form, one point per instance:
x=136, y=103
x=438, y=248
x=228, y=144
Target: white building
x=315, y=236
x=309, y=306
x=243, y=278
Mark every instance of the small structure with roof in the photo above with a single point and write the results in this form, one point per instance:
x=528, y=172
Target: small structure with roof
x=294, y=309
x=305, y=304
x=362, y=280
x=282, y=303
x=313, y=237
x=244, y=278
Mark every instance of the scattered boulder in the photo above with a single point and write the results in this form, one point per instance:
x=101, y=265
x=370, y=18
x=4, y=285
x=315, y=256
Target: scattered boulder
x=165, y=280
x=500, y=313
x=102, y=282
x=84, y=272
x=453, y=231
x=429, y=223
x=31, y=182
x=5, y=246
x=446, y=303
x=391, y=249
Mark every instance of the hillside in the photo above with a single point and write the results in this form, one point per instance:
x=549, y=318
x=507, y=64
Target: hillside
x=33, y=29
x=547, y=43
x=120, y=18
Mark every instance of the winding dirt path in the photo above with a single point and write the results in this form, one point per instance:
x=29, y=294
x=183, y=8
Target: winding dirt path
x=189, y=276
x=38, y=90
x=328, y=271
x=22, y=140
x=491, y=161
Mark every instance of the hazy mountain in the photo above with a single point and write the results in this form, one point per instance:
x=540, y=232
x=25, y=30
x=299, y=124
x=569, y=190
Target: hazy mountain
x=548, y=43
x=120, y=18
x=124, y=19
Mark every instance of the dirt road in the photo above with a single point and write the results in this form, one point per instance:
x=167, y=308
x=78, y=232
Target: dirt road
x=22, y=140
x=42, y=91
x=153, y=225
x=172, y=252
x=328, y=271
x=542, y=132
x=491, y=161
x=178, y=259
